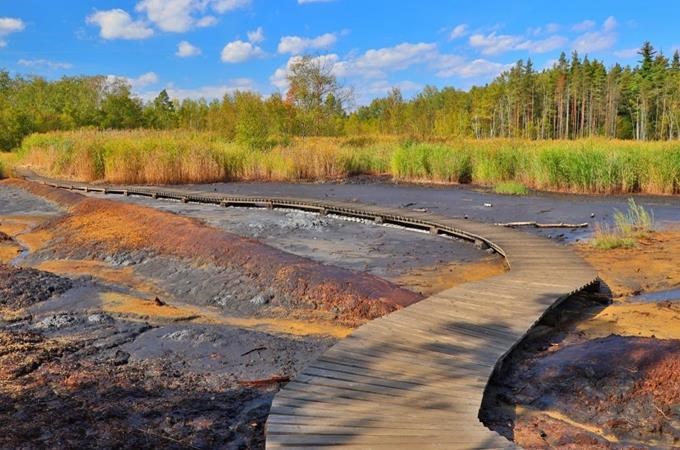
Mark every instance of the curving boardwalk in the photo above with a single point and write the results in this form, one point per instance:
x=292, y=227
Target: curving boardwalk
x=415, y=378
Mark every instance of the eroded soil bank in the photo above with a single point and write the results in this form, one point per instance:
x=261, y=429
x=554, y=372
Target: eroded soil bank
x=601, y=371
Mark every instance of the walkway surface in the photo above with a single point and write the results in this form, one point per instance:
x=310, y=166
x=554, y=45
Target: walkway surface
x=416, y=378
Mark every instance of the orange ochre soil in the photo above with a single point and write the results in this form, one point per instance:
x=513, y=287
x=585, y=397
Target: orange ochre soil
x=110, y=227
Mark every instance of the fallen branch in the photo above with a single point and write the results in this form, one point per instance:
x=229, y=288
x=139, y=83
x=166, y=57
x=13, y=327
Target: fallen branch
x=542, y=225
x=265, y=382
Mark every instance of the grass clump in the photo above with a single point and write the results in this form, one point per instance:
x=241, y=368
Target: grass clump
x=511, y=188
x=634, y=223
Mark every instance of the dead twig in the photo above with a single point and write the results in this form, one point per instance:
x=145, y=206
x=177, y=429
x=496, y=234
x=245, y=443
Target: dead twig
x=265, y=382
x=256, y=349
x=542, y=225
x=661, y=412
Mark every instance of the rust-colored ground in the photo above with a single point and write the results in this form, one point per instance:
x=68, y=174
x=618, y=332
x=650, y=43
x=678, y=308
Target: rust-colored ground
x=134, y=307
x=431, y=280
x=653, y=265
x=110, y=227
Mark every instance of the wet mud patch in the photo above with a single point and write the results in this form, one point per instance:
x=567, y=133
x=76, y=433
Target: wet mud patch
x=389, y=252
x=23, y=287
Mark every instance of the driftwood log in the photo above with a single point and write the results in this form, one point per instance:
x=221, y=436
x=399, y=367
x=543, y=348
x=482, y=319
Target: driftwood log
x=542, y=225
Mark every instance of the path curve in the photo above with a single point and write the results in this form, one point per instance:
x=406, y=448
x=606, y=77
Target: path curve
x=416, y=377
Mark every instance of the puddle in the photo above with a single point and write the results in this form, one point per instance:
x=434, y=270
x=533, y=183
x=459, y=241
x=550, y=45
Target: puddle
x=658, y=296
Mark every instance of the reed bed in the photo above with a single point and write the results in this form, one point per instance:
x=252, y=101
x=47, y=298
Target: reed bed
x=144, y=156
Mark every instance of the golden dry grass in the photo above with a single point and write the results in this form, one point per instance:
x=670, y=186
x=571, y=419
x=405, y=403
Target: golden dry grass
x=145, y=156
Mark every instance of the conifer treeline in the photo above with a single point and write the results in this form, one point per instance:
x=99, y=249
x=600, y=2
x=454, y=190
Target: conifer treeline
x=576, y=98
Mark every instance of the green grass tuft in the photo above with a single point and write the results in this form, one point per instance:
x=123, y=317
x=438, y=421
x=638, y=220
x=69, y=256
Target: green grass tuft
x=511, y=188
x=635, y=223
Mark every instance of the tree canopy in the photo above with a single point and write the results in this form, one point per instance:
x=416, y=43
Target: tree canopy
x=577, y=97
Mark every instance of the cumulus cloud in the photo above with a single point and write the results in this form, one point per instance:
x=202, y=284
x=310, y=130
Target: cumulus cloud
x=185, y=50
x=222, y=6
x=296, y=45
x=627, y=53
x=209, y=92
x=146, y=79
x=493, y=43
x=584, y=26
x=598, y=40
x=44, y=63
x=459, y=31
x=256, y=36
x=169, y=15
x=175, y=16
x=9, y=25
x=455, y=66
x=239, y=51
x=374, y=66
x=117, y=24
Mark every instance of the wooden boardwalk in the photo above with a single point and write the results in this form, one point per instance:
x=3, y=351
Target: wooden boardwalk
x=415, y=378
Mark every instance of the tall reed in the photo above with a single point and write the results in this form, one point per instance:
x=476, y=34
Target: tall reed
x=145, y=156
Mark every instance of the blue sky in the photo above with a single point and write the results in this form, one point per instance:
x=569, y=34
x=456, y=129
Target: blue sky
x=209, y=47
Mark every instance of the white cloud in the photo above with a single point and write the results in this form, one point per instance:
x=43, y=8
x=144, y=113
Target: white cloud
x=549, y=28
x=239, y=51
x=493, y=44
x=208, y=92
x=222, y=6
x=627, y=53
x=256, y=36
x=457, y=66
x=146, y=79
x=44, y=63
x=117, y=24
x=206, y=21
x=373, y=67
x=609, y=24
x=169, y=15
x=399, y=57
x=178, y=16
x=596, y=41
x=185, y=50
x=9, y=25
x=543, y=45
x=584, y=26
x=459, y=31
x=296, y=45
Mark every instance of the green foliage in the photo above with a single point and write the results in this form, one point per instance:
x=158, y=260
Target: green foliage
x=634, y=223
x=511, y=188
